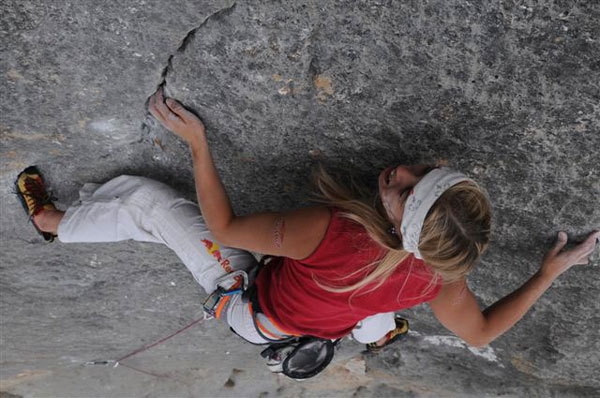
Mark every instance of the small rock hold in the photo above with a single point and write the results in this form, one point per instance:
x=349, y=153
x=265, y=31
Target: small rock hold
x=356, y=366
x=4, y=394
x=229, y=383
x=315, y=153
x=158, y=143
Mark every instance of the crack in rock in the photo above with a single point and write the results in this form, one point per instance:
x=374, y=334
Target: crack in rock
x=148, y=122
x=188, y=38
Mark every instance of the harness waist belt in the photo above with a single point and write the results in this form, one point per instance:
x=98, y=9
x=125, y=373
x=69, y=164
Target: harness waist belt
x=265, y=326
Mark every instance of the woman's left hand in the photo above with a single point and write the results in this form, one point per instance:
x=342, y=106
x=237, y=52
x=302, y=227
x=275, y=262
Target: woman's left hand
x=557, y=261
x=174, y=117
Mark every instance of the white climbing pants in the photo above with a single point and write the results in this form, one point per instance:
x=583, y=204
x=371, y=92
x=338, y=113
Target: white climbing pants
x=145, y=210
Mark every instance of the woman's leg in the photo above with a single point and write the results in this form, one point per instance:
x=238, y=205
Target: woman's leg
x=145, y=210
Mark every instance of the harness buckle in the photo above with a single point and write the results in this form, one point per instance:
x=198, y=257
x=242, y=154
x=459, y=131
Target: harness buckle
x=211, y=303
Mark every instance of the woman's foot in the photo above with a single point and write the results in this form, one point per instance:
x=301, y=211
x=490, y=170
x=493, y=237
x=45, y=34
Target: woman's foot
x=393, y=335
x=38, y=203
x=48, y=220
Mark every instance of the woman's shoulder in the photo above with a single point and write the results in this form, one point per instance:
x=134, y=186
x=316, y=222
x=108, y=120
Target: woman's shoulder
x=343, y=238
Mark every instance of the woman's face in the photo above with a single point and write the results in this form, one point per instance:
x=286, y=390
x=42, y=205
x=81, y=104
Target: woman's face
x=395, y=184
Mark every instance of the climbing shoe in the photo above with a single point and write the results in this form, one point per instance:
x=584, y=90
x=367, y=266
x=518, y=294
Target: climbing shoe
x=392, y=336
x=33, y=196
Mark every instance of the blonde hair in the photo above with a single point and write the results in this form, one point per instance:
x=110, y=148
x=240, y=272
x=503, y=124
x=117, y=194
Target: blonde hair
x=455, y=232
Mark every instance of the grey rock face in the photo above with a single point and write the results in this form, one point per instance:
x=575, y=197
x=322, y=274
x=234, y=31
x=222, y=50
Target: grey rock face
x=506, y=92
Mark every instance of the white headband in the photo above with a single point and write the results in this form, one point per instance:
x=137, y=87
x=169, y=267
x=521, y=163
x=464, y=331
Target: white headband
x=420, y=200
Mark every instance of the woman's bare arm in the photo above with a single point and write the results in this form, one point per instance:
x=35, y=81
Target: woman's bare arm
x=457, y=309
x=294, y=234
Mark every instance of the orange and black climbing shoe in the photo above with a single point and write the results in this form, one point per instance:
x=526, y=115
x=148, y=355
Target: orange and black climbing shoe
x=33, y=196
x=392, y=336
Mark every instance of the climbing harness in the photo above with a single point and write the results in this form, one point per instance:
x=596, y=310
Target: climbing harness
x=297, y=357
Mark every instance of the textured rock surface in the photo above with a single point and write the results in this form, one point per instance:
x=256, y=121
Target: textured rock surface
x=507, y=92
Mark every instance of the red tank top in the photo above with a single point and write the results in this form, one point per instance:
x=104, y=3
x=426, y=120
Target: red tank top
x=289, y=291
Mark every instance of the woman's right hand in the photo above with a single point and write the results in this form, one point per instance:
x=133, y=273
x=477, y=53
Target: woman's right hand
x=458, y=310
x=174, y=117
x=557, y=261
